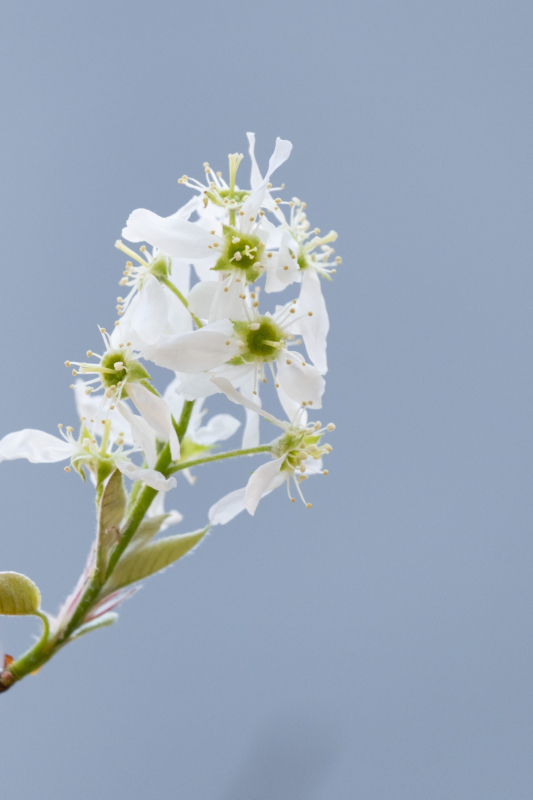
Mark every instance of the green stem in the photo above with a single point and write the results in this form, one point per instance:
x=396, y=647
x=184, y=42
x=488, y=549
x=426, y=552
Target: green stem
x=34, y=656
x=264, y=448
x=182, y=298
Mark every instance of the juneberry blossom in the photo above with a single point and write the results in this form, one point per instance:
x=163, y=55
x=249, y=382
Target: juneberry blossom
x=226, y=296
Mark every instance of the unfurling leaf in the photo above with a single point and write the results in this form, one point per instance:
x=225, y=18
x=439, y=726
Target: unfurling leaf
x=110, y=514
x=113, y=503
x=18, y=595
x=144, y=561
x=100, y=622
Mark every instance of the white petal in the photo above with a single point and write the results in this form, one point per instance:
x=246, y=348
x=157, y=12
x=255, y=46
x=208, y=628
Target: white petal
x=251, y=206
x=150, y=315
x=157, y=508
x=195, y=352
x=152, y=478
x=255, y=177
x=265, y=478
x=175, y=236
x=37, y=446
x=227, y=507
x=284, y=269
x=251, y=435
x=143, y=435
x=227, y=304
x=314, y=329
x=175, y=401
x=157, y=414
x=194, y=387
x=179, y=319
x=292, y=408
x=88, y=406
x=236, y=397
x=201, y=298
x=180, y=275
x=218, y=429
x=303, y=384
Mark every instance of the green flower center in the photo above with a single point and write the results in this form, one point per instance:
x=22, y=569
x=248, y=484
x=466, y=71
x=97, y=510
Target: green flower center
x=241, y=253
x=123, y=368
x=263, y=339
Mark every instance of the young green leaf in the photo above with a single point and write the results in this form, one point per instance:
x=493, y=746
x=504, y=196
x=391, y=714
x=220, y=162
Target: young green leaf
x=18, y=594
x=146, y=531
x=144, y=561
x=113, y=503
x=101, y=622
x=110, y=515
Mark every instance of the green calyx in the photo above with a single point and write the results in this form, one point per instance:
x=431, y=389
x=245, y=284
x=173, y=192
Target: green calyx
x=302, y=261
x=130, y=371
x=263, y=342
x=160, y=266
x=241, y=253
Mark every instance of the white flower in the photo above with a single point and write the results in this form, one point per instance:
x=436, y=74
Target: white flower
x=297, y=454
x=239, y=349
x=40, y=447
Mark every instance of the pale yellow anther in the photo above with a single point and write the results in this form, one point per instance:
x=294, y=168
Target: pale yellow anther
x=269, y=255
x=225, y=288
x=293, y=311
x=325, y=472
x=331, y=426
x=227, y=341
x=215, y=244
x=143, y=248
x=251, y=219
x=309, y=313
x=255, y=326
x=288, y=361
x=308, y=505
x=67, y=469
x=74, y=371
x=119, y=366
x=89, y=353
x=255, y=304
x=67, y=363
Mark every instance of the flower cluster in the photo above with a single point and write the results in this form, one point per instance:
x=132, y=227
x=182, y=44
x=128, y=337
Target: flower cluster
x=195, y=292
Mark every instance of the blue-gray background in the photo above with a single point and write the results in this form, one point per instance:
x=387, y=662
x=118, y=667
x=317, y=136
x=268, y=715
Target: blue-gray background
x=378, y=646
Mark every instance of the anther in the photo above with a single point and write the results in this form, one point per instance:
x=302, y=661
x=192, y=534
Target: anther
x=255, y=326
x=67, y=469
x=331, y=426
x=119, y=366
x=227, y=342
x=285, y=268
x=67, y=363
x=143, y=248
x=308, y=505
x=288, y=361
x=89, y=353
x=325, y=472
x=74, y=371
x=251, y=219
x=309, y=313
x=60, y=425
x=292, y=310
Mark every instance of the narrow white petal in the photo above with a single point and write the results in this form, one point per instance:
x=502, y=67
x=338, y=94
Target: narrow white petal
x=179, y=319
x=180, y=275
x=143, y=435
x=265, y=478
x=292, y=408
x=37, y=446
x=303, y=384
x=255, y=177
x=251, y=434
x=157, y=414
x=236, y=397
x=227, y=507
x=226, y=302
x=218, y=429
x=150, y=315
x=174, y=235
x=201, y=298
x=88, y=405
x=314, y=329
x=251, y=206
x=152, y=478
x=195, y=352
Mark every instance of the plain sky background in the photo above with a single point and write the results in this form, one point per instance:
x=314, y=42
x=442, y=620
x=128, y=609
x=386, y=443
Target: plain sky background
x=379, y=646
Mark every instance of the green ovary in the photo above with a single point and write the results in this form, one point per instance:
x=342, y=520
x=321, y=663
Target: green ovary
x=257, y=342
x=133, y=370
x=302, y=261
x=241, y=252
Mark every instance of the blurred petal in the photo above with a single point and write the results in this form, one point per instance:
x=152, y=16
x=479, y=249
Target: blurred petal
x=150, y=315
x=156, y=413
x=227, y=507
x=302, y=384
x=218, y=429
x=37, y=446
x=174, y=235
x=265, y=478
x=152, y=478
x=143, y=435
